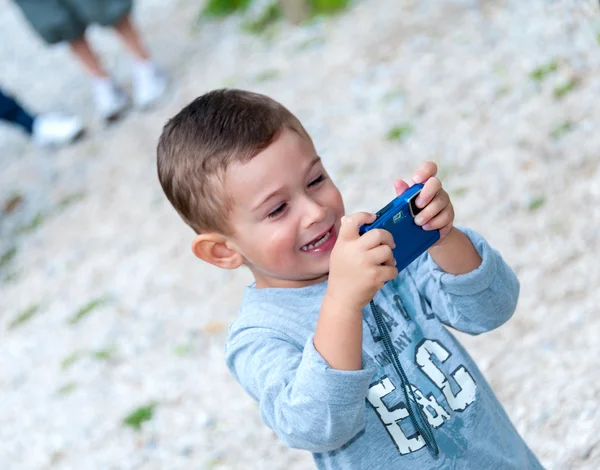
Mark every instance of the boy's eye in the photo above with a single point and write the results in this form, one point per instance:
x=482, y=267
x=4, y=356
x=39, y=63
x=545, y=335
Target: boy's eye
x=317, y=180
x=278, y=210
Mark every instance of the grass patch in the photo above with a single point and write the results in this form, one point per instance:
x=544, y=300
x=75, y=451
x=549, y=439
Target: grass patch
x=393, y=96
x=182, y=349
x=561, y=129
x=562, y=90
x=310, y=43
x=11, y=277
x=540, y=73
x=535, y=203
x=105, y=354
x=139, y=416
x=7, y=256
x=12, y=203
x=328, y=7
x=24, y=316
x=85, y=310
x=66, y=389
x=33, y=224
x=258, y=25
x=70, y=360
x=266, y=75
x=69, y=200
x=222, y=8
x=399, y=133
x=458, y=192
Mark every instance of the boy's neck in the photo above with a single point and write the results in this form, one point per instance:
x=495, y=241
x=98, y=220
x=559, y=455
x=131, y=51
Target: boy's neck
x=264, y=282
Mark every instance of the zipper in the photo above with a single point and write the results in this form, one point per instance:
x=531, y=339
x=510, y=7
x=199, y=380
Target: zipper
x=425, y=429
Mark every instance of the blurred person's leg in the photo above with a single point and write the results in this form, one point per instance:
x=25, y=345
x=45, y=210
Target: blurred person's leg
x=59, y=21
x=87, y=57
x=44, y=129
x=110, y=99
x=131, y=38
x=149, y=82
x=13, y=112
x=67, y=20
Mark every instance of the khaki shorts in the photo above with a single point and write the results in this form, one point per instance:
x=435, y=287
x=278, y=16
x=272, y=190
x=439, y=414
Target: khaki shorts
x=65, y=20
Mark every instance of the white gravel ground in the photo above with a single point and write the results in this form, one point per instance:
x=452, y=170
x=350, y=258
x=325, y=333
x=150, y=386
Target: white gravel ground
x=518, y=155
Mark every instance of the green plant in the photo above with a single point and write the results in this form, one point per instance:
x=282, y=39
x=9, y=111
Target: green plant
x=561, y=90
x=221, y=8
x=266, y=75
x=12, y=203
x=182, y=349
x=70, y=360
x=561, y=129
x=105, y=354
x=393, y=95
x=400, y=132
x=69, y=199
x=7, y=256
x=258, y=25
x=327, y=7
x=310, y=43
x=86, y=309
x=137, y=417
x=24, y=316
x=539, y=73
x=66, y=389
x=33, y=224
x=535, y=203
x=458, y=192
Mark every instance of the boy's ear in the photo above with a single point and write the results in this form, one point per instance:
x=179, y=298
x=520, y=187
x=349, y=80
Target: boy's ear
x=215, y=249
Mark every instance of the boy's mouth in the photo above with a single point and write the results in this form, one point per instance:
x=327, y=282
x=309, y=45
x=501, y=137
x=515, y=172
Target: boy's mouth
x=321, y=243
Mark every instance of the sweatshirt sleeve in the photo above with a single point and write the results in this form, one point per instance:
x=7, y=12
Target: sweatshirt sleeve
x=307, y=403
x=474, y=302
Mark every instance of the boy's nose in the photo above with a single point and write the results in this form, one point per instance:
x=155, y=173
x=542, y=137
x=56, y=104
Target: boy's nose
x=314, y=213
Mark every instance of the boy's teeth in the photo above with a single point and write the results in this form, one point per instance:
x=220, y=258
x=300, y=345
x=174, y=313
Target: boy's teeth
x=318, y=243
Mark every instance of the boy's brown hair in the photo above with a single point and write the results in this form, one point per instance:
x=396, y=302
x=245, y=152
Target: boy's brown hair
x=198, y=144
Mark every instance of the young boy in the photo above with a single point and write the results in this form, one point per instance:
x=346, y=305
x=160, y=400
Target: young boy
x=243, y=173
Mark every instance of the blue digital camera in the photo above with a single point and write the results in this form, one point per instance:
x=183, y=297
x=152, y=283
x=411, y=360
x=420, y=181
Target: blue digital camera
x=398, y=219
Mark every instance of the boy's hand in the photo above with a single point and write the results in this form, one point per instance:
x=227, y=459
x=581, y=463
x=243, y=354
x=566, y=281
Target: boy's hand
x=437, y=213
x=359, y=266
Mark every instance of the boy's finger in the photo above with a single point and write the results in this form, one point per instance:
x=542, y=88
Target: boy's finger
x=441, y=220
x=400, y=186
x=387, y=273
x=377, y=237
x=350, y=224
x=437, y=205
x=429, y=191
x=382, y=254
x=424, y=172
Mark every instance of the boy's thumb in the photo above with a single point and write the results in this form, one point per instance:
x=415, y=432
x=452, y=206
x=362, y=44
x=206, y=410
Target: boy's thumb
x=343, y=219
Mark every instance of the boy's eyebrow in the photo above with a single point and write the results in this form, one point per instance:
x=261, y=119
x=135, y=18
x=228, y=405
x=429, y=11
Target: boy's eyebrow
x=315, y=160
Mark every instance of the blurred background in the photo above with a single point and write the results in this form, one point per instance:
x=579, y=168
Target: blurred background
x=112, y=333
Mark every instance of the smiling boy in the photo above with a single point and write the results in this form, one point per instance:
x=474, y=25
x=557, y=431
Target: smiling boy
x=244, y=174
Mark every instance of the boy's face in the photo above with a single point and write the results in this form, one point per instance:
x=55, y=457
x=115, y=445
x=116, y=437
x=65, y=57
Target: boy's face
x=286, y=213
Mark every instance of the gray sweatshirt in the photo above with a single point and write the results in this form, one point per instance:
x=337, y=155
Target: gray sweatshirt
x=359, y=419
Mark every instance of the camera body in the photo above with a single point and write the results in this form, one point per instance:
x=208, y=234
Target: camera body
x=398, y=218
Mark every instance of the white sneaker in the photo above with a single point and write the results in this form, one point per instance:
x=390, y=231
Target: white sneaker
x=149, y=84
x=111, y=101
x=56, y=129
